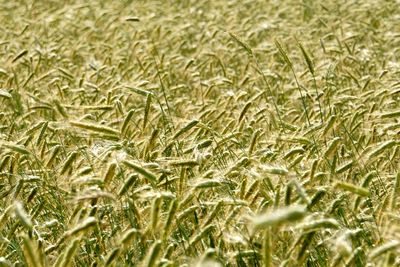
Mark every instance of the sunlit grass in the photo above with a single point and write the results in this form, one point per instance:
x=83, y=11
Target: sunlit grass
x=199, y=133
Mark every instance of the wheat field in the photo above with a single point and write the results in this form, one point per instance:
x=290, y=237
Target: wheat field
x=199, y=133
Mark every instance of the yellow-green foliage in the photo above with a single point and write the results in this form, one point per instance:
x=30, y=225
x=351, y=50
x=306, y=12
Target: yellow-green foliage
x=199, y=133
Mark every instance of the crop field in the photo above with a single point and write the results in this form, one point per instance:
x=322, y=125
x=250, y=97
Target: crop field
x=199, y=133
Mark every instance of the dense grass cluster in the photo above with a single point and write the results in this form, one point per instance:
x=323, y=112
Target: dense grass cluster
x=209, y=133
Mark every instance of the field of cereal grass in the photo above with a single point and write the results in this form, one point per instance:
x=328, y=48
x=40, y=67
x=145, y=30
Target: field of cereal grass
x=199, y=133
